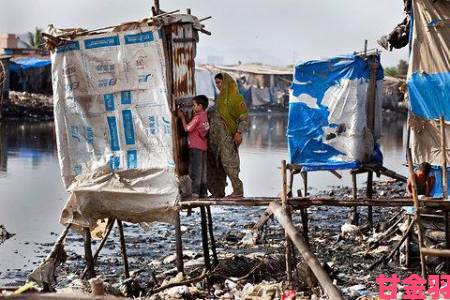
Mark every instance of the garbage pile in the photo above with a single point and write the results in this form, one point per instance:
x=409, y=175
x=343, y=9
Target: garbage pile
x=31, y=106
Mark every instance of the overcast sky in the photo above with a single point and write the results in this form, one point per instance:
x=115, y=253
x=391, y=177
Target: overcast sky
x=274, y=32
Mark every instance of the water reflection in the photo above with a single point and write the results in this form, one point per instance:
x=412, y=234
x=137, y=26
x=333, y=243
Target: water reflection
x=266, y=131
x=32, y=141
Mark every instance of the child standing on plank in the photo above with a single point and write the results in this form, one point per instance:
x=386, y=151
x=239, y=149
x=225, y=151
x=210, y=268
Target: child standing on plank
x=197, y=130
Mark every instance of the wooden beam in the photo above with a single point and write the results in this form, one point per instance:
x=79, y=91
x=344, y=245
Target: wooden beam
x=335, y=173
x=306, y=202
x=435, y=252
x=311, y=260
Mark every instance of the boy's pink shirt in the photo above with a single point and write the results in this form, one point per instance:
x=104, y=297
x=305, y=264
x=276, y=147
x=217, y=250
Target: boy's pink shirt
x=197, y=130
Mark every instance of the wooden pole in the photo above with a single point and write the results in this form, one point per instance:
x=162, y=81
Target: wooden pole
x=355, y=219
x=305, y=183
x=179, y=243
x=288, y=253
x=447, y=238
x=109, y=227
x=412, y=177
x=310, y=259
x=205, y=239
x=88, y=254
x=444, y=158
x=369, y=194
x=123, y=249
x=211, y=236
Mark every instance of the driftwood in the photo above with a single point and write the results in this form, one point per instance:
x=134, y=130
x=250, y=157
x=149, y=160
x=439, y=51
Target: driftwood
x=310, y=259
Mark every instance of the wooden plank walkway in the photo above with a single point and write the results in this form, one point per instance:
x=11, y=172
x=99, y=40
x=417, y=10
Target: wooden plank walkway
x=297, y=202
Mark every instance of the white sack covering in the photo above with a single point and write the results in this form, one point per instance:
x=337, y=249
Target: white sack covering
x=426, y=140
x=113, y=127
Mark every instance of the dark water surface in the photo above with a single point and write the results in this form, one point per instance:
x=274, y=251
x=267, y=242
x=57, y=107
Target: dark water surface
x=32, y=194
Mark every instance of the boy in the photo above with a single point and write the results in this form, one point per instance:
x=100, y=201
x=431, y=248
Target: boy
x=424, y=181
x=197, y=130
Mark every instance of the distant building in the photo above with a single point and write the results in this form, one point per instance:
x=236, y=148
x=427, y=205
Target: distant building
x=8, y=40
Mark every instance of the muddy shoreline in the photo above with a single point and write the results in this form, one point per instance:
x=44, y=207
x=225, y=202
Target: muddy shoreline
x=152, y=261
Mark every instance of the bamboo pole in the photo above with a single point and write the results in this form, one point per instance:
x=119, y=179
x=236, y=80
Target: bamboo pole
x=412, y=177
x=288, y=253
x=123, y=249
x=88, y=253
x=444, y=158
x=310, y=259
x=179, y=243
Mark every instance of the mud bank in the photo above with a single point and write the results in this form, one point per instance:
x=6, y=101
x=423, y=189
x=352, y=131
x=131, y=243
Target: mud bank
x=248, y=263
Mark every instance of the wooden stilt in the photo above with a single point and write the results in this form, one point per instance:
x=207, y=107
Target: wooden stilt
x=417, y=212
x=179, y=243
x=305, y=183
x=88, y=254
x=205, y=239
x=304, y=214
x=109, y=227
x=211, y=236
x=444, y=158
x=309, y=257
x=123, y=249
x=369, y=194
x=288, y=252
x=408, y=246
x=291, y=183
x=355, y=217
x=447, y=239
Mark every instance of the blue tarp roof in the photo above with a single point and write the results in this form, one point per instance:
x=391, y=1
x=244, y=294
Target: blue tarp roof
x=29, y=63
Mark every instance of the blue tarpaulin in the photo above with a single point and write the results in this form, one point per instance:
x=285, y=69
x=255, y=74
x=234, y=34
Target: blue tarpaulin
x=28, y=63
x=327, y=127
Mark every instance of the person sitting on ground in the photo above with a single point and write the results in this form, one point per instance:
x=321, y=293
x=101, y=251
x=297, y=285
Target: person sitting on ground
x=197, y=130
x=424, y=181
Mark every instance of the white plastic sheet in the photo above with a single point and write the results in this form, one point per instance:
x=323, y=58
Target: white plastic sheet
x=113, y=127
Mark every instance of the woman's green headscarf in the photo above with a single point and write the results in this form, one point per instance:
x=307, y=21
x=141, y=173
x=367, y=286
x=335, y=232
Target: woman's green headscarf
x=230, y=104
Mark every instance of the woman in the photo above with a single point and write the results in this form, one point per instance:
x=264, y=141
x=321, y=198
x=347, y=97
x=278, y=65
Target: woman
x=228, y=120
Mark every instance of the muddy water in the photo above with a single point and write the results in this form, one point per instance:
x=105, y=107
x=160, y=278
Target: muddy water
x=32, y=194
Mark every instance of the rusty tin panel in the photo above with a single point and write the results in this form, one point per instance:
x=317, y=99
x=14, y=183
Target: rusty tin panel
x=183, y=55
